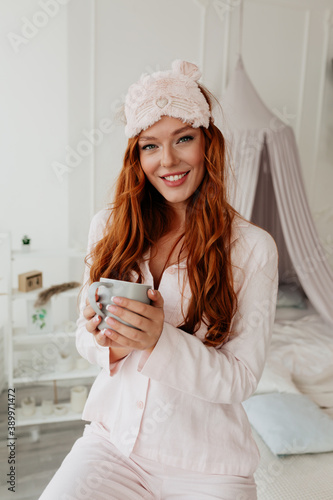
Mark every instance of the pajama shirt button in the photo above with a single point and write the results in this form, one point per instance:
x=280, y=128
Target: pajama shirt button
x=140, y=405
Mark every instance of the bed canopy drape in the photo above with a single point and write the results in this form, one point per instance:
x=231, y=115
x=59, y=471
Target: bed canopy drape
x=267, y=187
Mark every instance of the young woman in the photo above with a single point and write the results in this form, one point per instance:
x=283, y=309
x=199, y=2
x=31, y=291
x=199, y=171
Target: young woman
x=166, y=415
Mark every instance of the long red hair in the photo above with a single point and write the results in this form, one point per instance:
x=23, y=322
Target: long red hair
x=139, y=216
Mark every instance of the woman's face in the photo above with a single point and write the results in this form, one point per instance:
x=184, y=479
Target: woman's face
x=172, y=157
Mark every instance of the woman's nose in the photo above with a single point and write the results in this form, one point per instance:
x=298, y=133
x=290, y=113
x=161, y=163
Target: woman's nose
x=169, y=157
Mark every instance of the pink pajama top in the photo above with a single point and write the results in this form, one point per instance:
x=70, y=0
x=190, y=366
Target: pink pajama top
x=181, y=405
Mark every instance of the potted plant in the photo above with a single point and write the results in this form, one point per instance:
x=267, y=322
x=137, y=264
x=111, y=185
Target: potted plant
x=39, y=319
x=26, y=243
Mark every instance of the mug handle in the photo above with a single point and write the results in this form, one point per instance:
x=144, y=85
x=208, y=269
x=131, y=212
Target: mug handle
x=91, y=296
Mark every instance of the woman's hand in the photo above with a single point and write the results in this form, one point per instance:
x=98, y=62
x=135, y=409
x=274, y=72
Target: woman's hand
x=148, y=319
x=93, y=320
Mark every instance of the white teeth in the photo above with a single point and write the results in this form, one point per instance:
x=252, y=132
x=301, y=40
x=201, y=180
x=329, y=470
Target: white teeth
x=174, y=177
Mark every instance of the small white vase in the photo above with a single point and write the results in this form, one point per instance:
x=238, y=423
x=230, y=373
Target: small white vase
x=65, y=363
x=82, y=364
x=47, y=407
x=60, y=410
x=78, y=398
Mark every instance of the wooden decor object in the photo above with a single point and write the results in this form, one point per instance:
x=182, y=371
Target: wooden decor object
x=30, y=281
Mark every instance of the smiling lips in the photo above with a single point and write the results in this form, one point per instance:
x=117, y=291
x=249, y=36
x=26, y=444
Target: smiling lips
x=175, y=180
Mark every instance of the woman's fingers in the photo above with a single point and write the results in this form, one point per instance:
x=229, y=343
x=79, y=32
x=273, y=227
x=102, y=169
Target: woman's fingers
x=147, y=321
x=104, y=339
x=126, y=335
x=93, y=320
x=101, y=336
x=156, y=297
x=89, y=312
x=133, y=306
x=93, y=323
x=138, y=321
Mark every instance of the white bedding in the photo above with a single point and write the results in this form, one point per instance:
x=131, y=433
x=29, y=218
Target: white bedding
x=300, y=359
x=294, y=477
x=303, y=348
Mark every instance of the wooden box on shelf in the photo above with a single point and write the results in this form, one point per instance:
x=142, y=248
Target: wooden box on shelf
x=30, y=281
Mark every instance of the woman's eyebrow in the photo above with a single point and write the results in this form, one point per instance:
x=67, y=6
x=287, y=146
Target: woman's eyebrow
x=176, y=132
x=180, y=130
x=147, y=138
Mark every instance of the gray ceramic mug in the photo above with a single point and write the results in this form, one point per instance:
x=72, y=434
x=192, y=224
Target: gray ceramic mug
x=108, y=288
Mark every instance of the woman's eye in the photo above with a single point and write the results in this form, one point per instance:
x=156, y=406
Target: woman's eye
x=186, y=138
x=148, y=146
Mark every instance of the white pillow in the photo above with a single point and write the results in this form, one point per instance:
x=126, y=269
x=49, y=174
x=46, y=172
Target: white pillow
x=290, y=423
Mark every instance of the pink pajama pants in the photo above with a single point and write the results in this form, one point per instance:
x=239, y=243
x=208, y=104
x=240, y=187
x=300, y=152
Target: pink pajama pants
x=96, y=470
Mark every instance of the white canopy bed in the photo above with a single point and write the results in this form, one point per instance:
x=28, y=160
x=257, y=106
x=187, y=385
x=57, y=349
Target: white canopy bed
x=292, y=410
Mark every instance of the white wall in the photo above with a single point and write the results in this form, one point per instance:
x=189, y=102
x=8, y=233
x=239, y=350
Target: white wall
x=69, y=79
x=33, y=122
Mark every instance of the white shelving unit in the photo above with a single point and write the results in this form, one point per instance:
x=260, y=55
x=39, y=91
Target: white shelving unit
x=41, y=358
x=39, y=418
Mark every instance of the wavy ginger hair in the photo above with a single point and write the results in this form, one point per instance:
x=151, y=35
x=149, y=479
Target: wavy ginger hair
x=140, y=216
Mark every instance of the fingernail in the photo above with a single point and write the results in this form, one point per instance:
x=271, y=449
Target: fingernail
x=110, y=321
x=103, y=332
x=96, y=318
x=116, y=300
x=111, y=308
x=153, y=292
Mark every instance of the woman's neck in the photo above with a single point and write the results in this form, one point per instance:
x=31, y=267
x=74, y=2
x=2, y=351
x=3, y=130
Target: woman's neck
x=167, y=251
x=177, y=225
